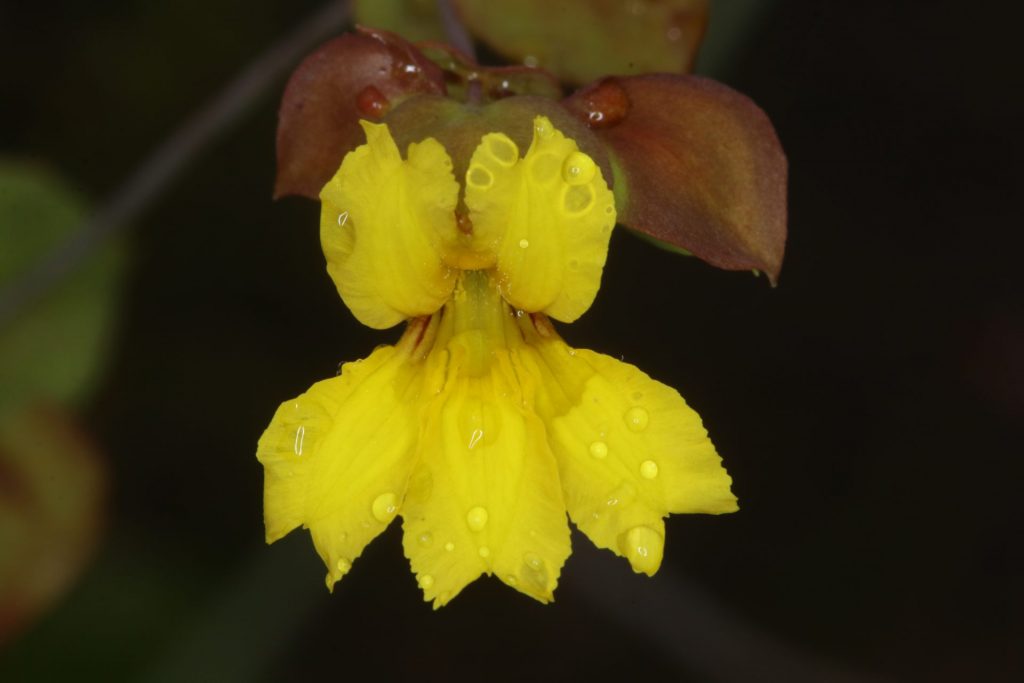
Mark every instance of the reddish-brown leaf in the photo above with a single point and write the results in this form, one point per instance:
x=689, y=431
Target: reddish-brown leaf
x=359, y=75
x=701, y=165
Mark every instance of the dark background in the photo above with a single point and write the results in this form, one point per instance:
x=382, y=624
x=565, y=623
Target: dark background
x=869, y=408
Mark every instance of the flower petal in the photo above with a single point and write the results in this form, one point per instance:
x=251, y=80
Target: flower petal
x=629, y=449
x=380, y=224
x=485, y=496
x=549, y=216
x=337, y=458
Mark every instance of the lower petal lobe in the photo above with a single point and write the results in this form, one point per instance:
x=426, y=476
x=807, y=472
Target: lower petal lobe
x=337, y=459
x=485, y=496
x=629, y=449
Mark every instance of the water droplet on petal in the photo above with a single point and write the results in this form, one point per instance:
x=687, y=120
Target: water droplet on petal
x=623, y=495
x=577, y=199
x=475, y=437
x=342, y=565
x=484, y=551
x=384, y=507
x=599, y=449
x=449, y=546
x=425, y=539
x=511, y=580
x=648, y=469
x=477, y=518
x=534, y=571
x=426, y=581
x=637, y=419
x=643, y=547
x=524, y=243
x=300, y=436
x=480, y=177
x=578, y=169
x=503, y=150
x=342, y=218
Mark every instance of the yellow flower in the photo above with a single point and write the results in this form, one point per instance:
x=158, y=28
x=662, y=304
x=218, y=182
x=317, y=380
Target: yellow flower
x=480, y=427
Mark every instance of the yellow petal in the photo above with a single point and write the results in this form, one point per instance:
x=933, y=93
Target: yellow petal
x=337, y=459
x=380, y=225
x=549, y=216
x=629, y=449
x=485, y=496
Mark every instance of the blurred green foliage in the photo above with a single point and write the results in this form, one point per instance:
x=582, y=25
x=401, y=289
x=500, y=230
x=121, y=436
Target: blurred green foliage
x=52, y=351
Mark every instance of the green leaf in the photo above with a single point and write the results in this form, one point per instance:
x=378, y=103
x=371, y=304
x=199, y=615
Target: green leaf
x=581, y=40
x=414, y=20
x=53, y=350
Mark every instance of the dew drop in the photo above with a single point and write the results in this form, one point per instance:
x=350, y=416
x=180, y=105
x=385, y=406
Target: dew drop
x=643, y=547
x=503, y=150
x=524, y=243
x=637, y=419
x=511, y=580
x=425, y=539
x=599, y=449
x=601, y=106
x=342, y=565
x=300, y=436
x=578, y=169
x=477, y=518
x=342, y=219
x=372, y=103
x=475, y=437
x=648, y=469
x=384, y=507
x=479, y=176
x=484, y=551
x=577, y=199
x=449, y=546
x=426, y=581
x=534, y=572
